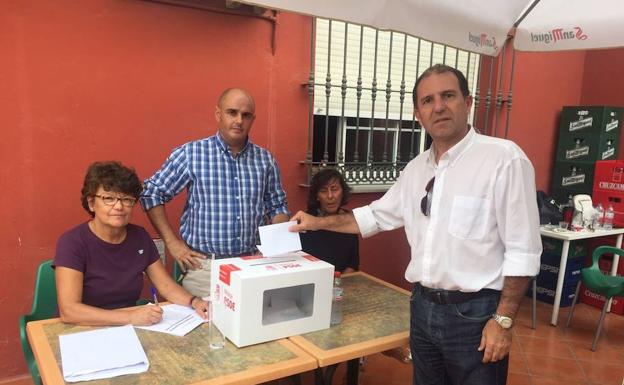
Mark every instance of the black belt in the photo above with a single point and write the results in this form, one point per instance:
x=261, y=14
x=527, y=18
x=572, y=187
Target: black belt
x=445, y=297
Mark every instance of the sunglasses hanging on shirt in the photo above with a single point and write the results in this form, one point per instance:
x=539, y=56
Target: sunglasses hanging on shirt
x=425, y=202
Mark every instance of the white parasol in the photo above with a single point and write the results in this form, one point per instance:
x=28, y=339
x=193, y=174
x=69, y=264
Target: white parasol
x=480, y=26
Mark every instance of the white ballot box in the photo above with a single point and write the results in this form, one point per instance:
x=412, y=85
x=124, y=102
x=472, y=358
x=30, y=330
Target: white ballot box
x=259, y=299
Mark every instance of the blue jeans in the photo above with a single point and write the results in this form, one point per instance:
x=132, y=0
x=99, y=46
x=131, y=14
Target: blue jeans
x=444, y=341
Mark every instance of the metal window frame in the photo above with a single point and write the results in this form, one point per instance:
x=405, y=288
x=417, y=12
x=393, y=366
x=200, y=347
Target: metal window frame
x=367, y=174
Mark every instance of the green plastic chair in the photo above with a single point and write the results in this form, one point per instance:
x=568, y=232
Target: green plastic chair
x=599, y=283
x=178, y=273
x=44, y=306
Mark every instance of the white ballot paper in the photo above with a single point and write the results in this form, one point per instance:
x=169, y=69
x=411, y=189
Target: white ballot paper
x=277, y=240
x=102, y=353
x=177, y=320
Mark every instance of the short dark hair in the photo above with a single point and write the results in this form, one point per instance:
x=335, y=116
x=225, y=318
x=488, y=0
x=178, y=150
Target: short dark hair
x=112, y=176
x=441, y=69
x=320, y=180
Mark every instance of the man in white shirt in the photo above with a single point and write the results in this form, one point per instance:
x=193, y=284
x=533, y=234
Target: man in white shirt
x=470, y=215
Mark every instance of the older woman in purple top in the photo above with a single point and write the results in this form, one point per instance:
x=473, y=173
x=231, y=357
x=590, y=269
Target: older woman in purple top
x=100, y=263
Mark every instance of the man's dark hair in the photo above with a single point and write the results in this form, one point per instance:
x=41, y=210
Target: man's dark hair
x=112, y=176
x=320, y=180
x=441, y=69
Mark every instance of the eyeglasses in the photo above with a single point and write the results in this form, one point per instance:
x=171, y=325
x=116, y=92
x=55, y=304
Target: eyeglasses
x=425, y=202
x=110, y=200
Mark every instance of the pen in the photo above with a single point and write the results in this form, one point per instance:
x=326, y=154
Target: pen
x=154, y=295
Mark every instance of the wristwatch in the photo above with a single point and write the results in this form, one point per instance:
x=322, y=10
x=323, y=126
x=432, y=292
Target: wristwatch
x=504, y=321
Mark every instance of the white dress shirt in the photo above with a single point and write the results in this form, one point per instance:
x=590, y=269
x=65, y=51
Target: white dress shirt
x=483, y=224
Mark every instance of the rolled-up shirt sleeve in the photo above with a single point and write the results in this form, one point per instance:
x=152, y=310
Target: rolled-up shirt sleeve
x=167, y=182
x=518, y=218
x=366, y=221
x=384, y=214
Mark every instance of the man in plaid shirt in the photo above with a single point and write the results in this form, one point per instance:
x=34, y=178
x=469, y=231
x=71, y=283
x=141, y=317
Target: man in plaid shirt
x=233, y=186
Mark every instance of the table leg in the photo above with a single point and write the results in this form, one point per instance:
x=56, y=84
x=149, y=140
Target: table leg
x=318, y=377
x=296, y=379
x=616, y=262
x=353, y=371
x=560, y=277
x=534, y=303
x=324, y=377
x=616, y=257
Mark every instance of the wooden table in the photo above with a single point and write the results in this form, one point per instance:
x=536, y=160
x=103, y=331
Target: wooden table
x=179, y=360
x=566, y=237
x=376, y=317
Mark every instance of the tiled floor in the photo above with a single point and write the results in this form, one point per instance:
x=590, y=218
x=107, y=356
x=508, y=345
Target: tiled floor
x=547, y=355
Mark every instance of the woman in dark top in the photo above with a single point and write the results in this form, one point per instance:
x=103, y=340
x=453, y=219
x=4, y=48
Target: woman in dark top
x=328, y=193
x=100, y=263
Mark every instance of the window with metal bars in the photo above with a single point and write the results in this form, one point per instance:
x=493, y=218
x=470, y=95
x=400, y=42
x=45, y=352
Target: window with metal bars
x=360, y=88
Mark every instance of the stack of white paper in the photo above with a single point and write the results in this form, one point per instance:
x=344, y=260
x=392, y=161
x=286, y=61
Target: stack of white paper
x=177, y=320
x=277, y=240
x=102, y=353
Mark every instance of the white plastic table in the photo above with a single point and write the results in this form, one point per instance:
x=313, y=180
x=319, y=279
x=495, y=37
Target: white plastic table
x=566, y=236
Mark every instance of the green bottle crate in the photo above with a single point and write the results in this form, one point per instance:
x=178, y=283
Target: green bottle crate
x=577, y=176
x=587, y=147
x=553, y=247
x=590, y=119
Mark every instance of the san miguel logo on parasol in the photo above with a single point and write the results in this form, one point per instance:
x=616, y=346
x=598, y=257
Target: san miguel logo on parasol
x=557, y=34
x=482, y=40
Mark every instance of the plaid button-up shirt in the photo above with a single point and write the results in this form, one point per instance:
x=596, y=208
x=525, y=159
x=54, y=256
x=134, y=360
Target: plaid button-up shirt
x=227, y=198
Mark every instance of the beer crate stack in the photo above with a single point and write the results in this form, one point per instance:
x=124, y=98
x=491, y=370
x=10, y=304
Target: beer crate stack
x=586, y=134
x=549, y=270
x=608, y=190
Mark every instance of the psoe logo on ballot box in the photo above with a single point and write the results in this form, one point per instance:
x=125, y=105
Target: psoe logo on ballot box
x=289, y=265
x=229, y=303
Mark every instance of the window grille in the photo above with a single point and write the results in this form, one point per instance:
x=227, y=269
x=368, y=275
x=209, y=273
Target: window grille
x=361, y=111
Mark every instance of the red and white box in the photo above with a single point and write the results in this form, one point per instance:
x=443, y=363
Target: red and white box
x=258, y=299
